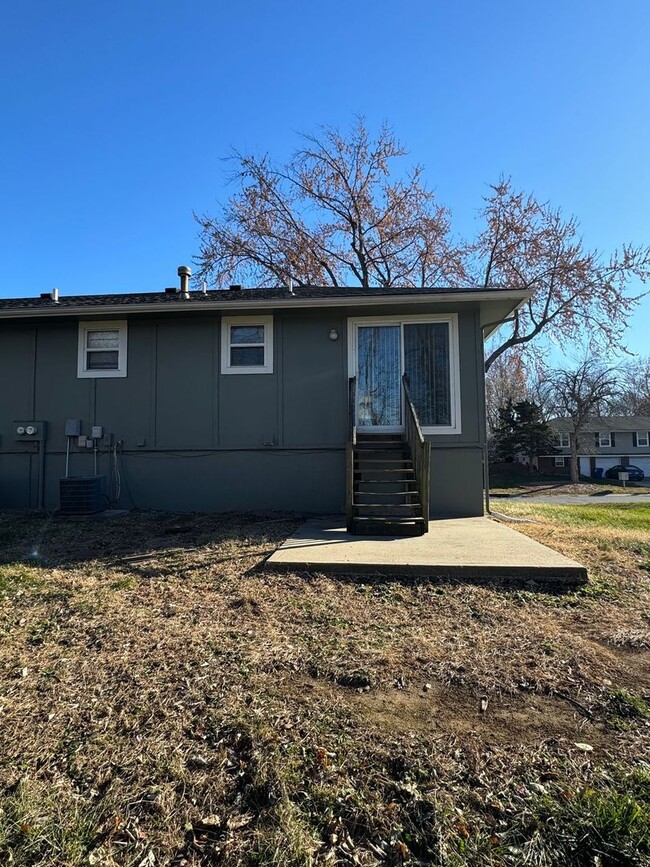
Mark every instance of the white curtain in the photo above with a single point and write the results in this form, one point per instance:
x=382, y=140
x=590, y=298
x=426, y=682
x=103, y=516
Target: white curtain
x=378, y=385
x=426, y=363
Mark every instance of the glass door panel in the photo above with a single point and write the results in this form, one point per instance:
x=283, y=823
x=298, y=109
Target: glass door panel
x=426, y=364
x=378, y=379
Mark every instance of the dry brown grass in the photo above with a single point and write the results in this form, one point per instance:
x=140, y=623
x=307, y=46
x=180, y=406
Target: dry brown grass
x=512, y=480
x=165, y=700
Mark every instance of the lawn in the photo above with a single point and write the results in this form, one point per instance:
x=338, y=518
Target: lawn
x=508, y=480
x=164, y=700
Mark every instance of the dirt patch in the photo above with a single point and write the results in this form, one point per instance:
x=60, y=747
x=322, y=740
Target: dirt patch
x=453, y=710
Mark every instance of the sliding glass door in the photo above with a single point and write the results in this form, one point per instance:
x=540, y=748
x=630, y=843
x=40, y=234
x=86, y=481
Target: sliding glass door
x=424, y=350
x=426, y=364
x=378, y=376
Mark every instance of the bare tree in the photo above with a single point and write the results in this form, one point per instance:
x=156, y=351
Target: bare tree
x=635, y=388
x=580, y=394
x=331, y=216
x=529, y=245
x=337, y=214
x=506, y=381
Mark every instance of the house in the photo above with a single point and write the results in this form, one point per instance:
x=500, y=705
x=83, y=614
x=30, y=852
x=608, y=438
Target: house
x=603, y=443
x=240, y=399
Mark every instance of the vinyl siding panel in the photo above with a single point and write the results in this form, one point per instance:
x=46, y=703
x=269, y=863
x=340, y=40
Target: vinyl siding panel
x=194, y=439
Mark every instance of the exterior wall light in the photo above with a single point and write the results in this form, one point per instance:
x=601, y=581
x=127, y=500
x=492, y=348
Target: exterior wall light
x=334, y=335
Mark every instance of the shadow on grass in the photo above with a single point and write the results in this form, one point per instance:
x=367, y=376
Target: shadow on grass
x=536, y=488
x=521, y=587
x=153, y=545
x=136, y=539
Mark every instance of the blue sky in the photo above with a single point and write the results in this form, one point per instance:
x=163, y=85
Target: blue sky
x=115, y=116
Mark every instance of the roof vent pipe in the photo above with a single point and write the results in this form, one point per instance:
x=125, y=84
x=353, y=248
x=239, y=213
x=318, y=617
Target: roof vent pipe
x=54, y=295
x=290, y=286
x=185, y=273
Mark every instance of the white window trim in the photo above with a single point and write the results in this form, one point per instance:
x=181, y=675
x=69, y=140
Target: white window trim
x=226, y=323
x=559, y=461
x=454, y=361
x=646, y=437
x=563, y=441
x=119, y=325
x=604, y=440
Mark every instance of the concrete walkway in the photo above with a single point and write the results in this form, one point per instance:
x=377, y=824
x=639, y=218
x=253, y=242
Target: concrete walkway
x=462, y=548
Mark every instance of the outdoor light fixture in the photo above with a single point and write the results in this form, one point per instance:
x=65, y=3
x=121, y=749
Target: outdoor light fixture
x=334, y=335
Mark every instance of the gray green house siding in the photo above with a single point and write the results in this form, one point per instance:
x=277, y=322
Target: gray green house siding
x=193, y=438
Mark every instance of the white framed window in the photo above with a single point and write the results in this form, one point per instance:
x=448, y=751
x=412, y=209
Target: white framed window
x=102, y=349
x=563, y=442
x=559, y=461
x=425, y=348
x=605, y=440
x=247, y=344
x=642, y=439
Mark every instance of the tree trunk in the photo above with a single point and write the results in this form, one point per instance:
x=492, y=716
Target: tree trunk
x=573, y=461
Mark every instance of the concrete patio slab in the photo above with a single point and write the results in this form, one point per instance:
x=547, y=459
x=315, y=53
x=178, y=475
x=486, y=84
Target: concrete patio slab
x=462, y=548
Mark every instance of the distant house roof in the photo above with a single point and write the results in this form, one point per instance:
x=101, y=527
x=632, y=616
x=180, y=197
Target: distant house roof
x=310, y=296
x=605, y=424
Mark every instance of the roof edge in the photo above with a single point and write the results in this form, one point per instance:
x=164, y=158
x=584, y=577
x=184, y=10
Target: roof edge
x=260, y=304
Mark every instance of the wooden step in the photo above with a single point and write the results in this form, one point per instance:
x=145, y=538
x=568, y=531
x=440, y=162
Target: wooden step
x=375, y=526
x=410, y=506
x=387, y=480
x=396, y=486
x=385, y=472
x=369, y=445
x=362, y=459
x=381, y=455
x=388, y=510
x=383, y=466
x=373, y=493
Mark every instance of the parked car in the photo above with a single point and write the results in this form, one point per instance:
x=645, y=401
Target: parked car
x=636, y=473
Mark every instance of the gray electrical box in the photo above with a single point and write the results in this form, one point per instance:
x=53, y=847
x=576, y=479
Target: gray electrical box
x=30, y=431
x=73, y=427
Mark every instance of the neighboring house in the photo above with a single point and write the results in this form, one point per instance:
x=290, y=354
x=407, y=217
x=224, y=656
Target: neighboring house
x=603, y=443
x=238, y=399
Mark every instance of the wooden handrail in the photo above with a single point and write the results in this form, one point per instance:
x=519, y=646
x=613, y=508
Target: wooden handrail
x=420, y=450
x=352, y=410
x=352, y=441
x=410, y=410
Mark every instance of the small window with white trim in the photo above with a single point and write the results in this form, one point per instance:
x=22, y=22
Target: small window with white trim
x=247, y=344
x=605, y=440
x=642, y=439
x=102, y=349
x=559, y=462
x=563, y=442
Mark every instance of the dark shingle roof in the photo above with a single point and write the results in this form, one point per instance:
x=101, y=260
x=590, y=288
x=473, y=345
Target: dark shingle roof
x=221, y=296
x=605, y=424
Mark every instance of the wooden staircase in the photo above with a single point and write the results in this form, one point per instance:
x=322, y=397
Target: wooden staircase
x=386, y=500
x=388, y=480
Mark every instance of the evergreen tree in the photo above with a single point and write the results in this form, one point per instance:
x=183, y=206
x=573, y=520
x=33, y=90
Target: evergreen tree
x=522, y=430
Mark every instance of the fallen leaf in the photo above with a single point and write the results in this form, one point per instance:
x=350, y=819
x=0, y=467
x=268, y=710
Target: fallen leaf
x=212, y=821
